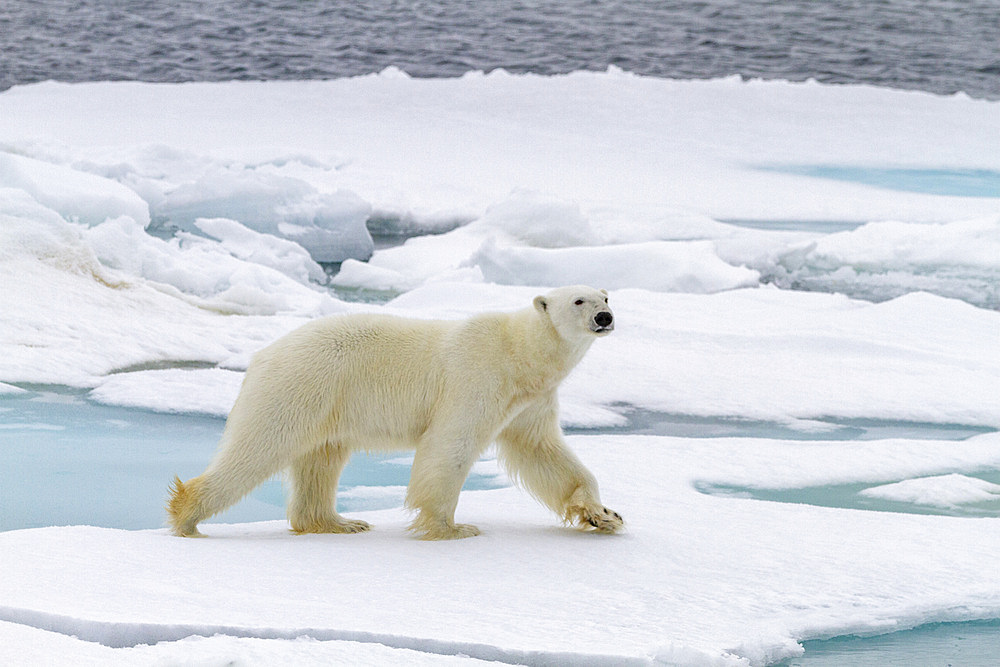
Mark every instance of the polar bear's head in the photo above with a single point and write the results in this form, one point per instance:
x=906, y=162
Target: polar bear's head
x=577, y=311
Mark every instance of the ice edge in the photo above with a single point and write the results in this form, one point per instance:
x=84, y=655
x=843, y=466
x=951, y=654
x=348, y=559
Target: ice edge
x=118, y=634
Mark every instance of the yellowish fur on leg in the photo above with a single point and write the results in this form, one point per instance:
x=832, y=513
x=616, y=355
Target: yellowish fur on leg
x=183, y=509
x=438, y=529
x=314, y=490
x=582, y=511
x=331, y=525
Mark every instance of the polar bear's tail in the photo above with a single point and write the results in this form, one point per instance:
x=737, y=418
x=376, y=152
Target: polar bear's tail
x=185, y=508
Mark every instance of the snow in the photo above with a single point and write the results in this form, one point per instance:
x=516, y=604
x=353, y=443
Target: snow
x=775, y=252
x=8, y=389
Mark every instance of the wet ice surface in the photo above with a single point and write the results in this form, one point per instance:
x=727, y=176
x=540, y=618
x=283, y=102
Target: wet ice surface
x=650, y=422
x=954, y=182
x=971, y=644
x=65, y=460
x=982, y=500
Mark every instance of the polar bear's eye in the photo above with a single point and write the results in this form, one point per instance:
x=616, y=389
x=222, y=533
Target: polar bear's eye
x=579, y=302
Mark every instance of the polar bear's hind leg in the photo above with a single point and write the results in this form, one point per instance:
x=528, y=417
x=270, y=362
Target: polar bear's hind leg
x=231, y=475
x=312, y=506
x=183, y=508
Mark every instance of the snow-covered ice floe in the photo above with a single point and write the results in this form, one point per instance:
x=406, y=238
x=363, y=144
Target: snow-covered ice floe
x=696, y=579
x=793, y=254
x=577, y=165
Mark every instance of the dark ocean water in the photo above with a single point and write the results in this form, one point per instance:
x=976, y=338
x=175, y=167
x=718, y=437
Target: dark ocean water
x=942, y=46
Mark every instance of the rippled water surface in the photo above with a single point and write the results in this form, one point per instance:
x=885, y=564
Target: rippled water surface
x=942, y=46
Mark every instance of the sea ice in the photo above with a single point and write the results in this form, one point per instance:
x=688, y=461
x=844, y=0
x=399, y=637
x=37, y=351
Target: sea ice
x=286, y=256
x=696, y=579
x=959, y=259
x=74, y=194
x=271, y=278
x=153, y=237
x=194, y=391
x=330, y=226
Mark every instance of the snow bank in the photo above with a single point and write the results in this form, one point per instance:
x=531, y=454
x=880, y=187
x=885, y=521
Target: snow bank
x=531, y=239
x=561, y=163
x=192, y=391
x=71, y=319
x=948, y=491
x=763, y=354
x=194, y=266
x=690, y=583
x=657, y=266
x=959, y=259
x=74, y=194
x=539, y=221
x=330, y=226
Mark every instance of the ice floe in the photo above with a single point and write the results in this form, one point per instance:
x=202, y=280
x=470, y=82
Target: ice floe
x=777, y=253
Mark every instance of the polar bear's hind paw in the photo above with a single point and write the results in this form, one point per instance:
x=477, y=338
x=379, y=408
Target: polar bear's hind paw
x=340, y=525
x=444, y=530
x=353, y=526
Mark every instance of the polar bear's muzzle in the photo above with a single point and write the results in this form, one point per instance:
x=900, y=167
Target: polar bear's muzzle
x=603, y=322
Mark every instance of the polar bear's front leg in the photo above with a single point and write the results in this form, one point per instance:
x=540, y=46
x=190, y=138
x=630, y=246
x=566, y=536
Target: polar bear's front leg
x=440, y=466
x=534, y=453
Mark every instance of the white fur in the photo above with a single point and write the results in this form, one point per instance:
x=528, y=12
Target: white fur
x=445, y=388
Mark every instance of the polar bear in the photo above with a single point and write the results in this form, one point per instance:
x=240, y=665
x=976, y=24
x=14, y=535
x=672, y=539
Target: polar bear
x=447, y=389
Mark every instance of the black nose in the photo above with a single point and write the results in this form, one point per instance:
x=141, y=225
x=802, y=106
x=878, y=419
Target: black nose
x=603, y=318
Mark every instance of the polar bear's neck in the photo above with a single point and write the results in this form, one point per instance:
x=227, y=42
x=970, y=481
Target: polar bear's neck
x=538, y=342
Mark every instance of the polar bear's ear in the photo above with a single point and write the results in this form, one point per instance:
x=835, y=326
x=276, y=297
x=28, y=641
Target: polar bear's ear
x=541, y=305
x=604, y=292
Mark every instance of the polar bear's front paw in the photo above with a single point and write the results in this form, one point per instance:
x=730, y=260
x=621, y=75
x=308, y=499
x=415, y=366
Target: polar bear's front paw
x=598, y=518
